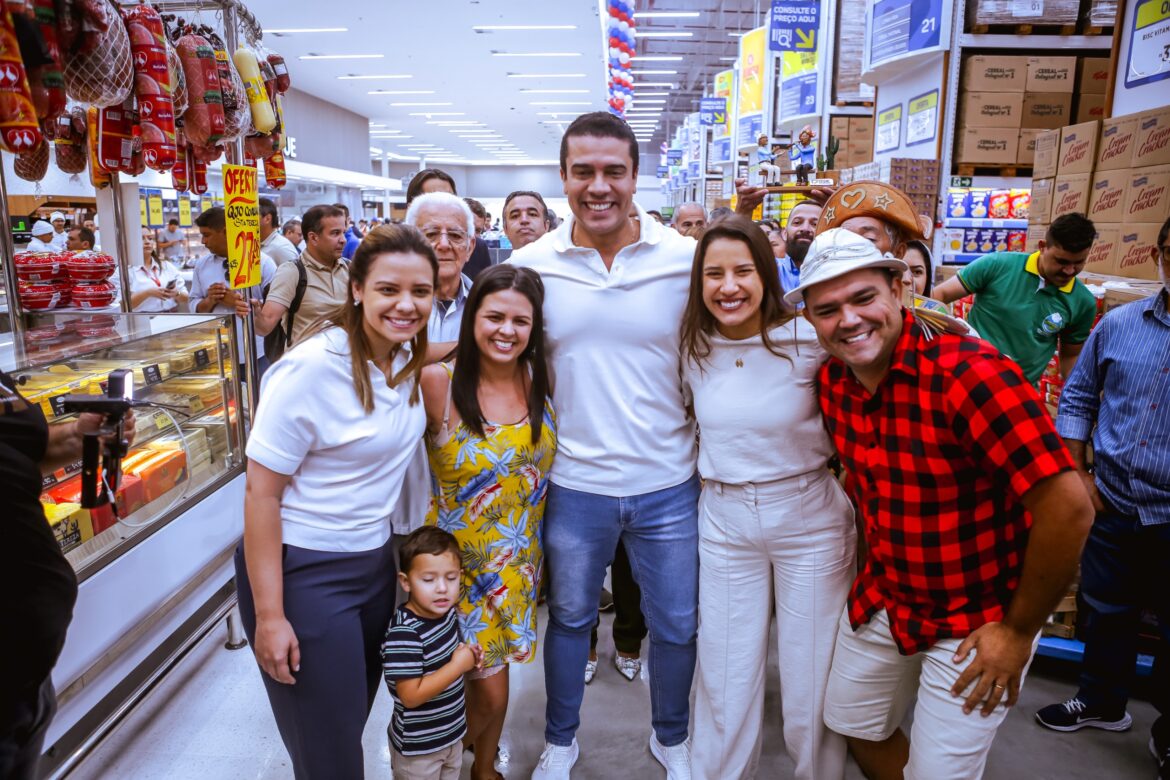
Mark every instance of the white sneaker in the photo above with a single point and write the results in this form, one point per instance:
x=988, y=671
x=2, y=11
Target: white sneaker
x=556, y=761
x=627, y=667
x=590, y=670
x=676, y=759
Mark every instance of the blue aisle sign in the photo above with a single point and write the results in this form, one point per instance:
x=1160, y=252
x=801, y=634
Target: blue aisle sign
x=713, y=111
x=721, y=150
x=901, y=27
x=798, y=96
x=663, y=172
x=750, y=129
x=674, y=156
x=794, y=25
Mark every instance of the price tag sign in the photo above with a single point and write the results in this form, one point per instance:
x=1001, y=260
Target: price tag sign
x=57, y=403
x=184, y=211
x=152, y=375
x=922, y=125
x=889, y=129
x=142, y=209
x=202, y=359
x=154, y=209
x=242, y=211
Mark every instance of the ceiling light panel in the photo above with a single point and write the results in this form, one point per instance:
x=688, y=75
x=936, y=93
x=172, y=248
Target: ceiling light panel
x=496, y=27
x=556, y=91
x=341, y=56
x=560, y=103
x=296, y=30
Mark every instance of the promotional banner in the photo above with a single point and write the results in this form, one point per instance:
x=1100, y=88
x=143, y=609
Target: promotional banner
x=753, y=64
x=154, y=209
x=1149, y=44
x=794, y=25
x=242, y=211
x=798, y=85
x=889, y=129
x=922, y=120
x=724, y=86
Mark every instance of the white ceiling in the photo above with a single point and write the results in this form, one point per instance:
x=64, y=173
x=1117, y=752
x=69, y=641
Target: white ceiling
x=448, y=62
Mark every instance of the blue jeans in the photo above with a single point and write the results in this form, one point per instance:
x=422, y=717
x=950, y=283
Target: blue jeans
x=1123, y=569
x=660, y=533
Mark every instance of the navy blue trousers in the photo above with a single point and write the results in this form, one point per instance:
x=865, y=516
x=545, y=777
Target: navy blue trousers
x=339, y=605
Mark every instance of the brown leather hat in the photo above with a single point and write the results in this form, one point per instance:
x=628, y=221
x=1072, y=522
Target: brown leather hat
x=878, y=200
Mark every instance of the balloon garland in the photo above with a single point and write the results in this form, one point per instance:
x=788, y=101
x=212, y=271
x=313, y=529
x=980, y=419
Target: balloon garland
x=620, y=32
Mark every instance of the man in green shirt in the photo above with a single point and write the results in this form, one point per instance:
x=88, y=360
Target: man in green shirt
x=1028, y=304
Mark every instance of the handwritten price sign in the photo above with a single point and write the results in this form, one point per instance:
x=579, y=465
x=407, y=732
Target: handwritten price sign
x=243, y=225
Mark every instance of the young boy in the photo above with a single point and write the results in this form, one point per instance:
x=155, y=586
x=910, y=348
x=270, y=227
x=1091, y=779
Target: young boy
x=424, y=661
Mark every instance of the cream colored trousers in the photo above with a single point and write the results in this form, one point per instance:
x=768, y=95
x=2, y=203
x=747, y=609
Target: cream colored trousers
x=785, y=549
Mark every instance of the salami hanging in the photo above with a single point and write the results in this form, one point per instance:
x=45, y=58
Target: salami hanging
x=204, y=120
x=19, y=131
x=152, y=86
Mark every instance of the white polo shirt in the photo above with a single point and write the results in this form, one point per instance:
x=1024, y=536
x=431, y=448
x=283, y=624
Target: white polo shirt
x=613, y=346
x=144, y=278
x=347, y=466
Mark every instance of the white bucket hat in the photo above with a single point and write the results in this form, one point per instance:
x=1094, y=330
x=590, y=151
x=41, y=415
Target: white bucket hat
x=56, y=215
x=41, y=227
x=837, y=252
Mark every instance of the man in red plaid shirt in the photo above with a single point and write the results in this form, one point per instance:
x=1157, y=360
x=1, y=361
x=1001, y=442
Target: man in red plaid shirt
x=973, y=515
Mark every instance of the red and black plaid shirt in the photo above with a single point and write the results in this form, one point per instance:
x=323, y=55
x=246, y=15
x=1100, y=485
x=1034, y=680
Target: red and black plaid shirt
x=939, y=458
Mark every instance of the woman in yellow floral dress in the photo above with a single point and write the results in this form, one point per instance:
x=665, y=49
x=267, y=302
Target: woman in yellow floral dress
x=491, y=437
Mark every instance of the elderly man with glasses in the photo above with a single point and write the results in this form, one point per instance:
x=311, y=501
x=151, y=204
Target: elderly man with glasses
x=449, y=226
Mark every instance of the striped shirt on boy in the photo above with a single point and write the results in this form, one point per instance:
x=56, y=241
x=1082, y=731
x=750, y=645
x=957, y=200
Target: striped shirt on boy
x=415, y=647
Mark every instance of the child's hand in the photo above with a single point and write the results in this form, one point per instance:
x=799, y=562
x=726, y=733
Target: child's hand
x=478, y=651
x=465, y=657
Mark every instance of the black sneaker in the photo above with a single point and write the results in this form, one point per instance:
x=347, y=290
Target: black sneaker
x=1074, y=715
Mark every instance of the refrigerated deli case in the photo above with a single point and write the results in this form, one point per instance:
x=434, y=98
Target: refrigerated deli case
x=158, y=571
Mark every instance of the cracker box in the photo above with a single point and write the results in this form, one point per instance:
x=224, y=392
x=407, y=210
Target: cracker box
x=1051, y=74
x=988, y=145
x=1093, y=76
x=1046, y=110
x=1115, y=148
x=1107, y=196
x=1034, y=236
x=1078, y=148
x=1135, y=251
x=1026, y=151
x=1070, y=194
x=1103, y=253
x=983, y=73
x=1152, y=142
x=1047, y=149
x=1147, y=197
x=1041, y=208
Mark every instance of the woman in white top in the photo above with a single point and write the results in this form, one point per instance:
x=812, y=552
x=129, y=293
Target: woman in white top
x=338, y=419
x=776, y=531
x=156, y=285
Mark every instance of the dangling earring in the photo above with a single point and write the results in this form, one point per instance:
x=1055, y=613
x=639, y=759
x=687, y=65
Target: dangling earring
x=357, y=303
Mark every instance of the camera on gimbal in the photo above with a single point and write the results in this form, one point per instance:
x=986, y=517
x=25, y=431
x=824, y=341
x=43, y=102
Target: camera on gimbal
x=102, y=450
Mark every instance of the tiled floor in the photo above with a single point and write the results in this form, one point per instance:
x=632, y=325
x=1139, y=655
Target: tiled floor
x=209, y=719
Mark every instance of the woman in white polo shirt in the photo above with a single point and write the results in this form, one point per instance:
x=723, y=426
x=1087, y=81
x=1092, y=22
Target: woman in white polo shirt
x=156, y=285
x=338, y=419
x=776, y=532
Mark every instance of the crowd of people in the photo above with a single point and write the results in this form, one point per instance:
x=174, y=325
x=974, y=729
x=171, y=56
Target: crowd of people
x=749, y=424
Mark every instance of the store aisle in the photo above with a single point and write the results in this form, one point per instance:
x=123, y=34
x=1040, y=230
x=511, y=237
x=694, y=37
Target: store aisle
x=209, y=720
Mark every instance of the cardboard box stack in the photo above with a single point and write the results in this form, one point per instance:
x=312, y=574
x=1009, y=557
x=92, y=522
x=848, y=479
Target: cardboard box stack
x=916, y=178
x=855, y=134
x=1117, y=172
x=1007, y=101
x=1012, y=12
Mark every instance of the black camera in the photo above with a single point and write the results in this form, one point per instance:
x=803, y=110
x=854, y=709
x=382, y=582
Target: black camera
x=102, y=450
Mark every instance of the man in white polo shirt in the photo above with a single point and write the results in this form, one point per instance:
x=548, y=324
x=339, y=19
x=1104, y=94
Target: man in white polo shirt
x=615, y=289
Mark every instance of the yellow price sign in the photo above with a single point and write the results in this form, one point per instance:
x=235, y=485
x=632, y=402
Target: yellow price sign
x=142, y=209
x=184, y=211
x=154, y=209
x=242, y=212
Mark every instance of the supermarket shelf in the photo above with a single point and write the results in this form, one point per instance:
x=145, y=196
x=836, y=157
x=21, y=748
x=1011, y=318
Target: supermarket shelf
x=1012, y=224
x=1036, y=42
x=960, y=259
x=1074, y=650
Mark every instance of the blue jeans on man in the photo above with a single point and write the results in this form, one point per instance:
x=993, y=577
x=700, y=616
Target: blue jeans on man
x=660, y=533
